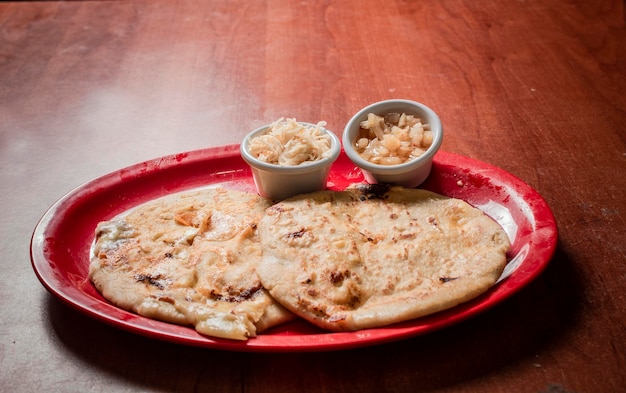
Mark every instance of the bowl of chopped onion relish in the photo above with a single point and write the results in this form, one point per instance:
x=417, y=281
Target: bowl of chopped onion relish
x=394, y=141
x=288, y=157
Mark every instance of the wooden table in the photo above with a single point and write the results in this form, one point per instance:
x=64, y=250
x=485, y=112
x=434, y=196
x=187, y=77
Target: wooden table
x=534, y=87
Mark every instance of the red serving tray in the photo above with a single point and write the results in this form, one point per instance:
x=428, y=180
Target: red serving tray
x=61, y=241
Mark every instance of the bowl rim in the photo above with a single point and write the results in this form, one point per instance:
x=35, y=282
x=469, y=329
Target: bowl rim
x=335, y=150
x=435, y=124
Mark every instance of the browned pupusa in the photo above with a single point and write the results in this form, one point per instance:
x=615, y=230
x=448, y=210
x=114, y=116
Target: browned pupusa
x=190, y=259
x=372, y=256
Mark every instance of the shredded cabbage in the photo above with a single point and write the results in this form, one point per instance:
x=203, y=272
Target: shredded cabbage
x=289, y=143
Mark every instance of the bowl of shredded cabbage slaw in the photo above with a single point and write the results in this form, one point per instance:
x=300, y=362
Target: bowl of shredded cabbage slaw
x=288, y=157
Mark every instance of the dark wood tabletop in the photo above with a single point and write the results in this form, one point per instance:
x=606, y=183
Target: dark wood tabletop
x=536, y=88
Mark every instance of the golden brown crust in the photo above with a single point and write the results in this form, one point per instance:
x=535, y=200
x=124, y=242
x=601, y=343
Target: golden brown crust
x=359, y=259
x=190, y=259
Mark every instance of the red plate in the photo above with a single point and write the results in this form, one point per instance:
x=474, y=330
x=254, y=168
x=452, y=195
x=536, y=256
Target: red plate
x=62, y=239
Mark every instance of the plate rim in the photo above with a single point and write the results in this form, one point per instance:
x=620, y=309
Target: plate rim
x=264, y=342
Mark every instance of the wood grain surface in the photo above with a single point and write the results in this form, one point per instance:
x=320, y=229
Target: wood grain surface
x=534, y=87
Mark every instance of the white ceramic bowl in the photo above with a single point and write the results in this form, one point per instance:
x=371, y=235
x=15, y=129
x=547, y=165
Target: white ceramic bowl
x=280, y=182
x=410, y=173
